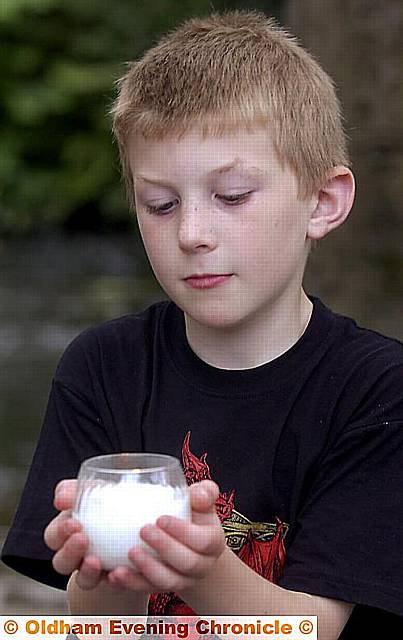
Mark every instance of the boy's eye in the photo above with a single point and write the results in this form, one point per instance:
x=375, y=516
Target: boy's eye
x=160, y=209
x=233, y=199
x=236, y=198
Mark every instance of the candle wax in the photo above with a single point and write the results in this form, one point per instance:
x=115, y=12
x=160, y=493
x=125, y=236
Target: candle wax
x=112, y=515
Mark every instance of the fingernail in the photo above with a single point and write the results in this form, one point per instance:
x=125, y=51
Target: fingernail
x=164, y=522
x=59, y=488
x=72, y=526
x=68, y=526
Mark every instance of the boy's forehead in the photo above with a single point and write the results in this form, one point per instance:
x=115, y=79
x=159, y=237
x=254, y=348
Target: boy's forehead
x=237, y=165
x=244, y=154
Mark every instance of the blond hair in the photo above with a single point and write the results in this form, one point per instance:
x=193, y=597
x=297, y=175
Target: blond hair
x=231, y=70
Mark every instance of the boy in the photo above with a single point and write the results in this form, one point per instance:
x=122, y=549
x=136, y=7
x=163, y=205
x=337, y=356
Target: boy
x=288, y=418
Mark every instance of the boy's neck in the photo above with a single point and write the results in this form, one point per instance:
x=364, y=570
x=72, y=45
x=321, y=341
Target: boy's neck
x=253, y=344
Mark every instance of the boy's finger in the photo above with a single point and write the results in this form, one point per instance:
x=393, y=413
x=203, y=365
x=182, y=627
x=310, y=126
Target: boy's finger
x=203, y=498
x=59, y=530
x=160, y=576
x=90, y=573
x=70, y=556
x=203, y=495
x=65, y=493
x=124, y=578
x=174, y=552
x=201, y=539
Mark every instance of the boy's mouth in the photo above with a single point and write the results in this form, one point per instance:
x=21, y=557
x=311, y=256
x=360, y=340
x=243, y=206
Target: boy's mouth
x=208, y=275
x=207, y=280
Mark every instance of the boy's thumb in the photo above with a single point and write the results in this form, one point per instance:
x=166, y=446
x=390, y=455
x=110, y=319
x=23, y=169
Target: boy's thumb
x=65, y=493
x=203, y=496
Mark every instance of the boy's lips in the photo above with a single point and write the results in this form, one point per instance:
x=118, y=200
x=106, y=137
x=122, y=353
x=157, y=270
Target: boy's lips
x=207, y=280
x=208, y=275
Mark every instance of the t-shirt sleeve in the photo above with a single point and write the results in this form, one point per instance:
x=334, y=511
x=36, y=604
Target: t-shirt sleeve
x=71, y=432
x=348, y=537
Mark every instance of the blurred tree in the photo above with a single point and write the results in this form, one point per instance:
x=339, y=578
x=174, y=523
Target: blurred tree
x=360, y=43
x=58, y=64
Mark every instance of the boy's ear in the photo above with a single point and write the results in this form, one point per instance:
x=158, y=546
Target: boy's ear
x=334, y=202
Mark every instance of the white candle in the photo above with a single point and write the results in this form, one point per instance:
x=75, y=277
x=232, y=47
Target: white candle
x=112, y=515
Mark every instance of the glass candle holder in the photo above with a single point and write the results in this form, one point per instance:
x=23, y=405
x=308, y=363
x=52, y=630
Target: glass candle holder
x=118, y=494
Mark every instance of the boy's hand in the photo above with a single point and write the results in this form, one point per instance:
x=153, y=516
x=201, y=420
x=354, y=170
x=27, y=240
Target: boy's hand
x=64, y=535
x=186, y=550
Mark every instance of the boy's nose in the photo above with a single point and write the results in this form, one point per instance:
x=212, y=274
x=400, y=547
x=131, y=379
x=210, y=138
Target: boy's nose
x=196, y=229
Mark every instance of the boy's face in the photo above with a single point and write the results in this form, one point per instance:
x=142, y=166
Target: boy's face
x=205, y=224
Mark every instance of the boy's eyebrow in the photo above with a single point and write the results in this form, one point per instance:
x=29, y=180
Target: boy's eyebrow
x=235, y=164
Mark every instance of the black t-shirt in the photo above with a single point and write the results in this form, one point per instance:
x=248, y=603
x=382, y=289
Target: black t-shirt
x=307, y=450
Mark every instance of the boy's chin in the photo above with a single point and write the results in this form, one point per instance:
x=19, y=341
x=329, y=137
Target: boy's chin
x=221, y=318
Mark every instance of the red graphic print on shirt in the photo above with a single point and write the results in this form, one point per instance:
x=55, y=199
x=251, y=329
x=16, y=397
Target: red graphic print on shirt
x=259, y=544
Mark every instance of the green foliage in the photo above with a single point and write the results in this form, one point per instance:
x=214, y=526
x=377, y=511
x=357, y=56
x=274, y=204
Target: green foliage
x=58, y=65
